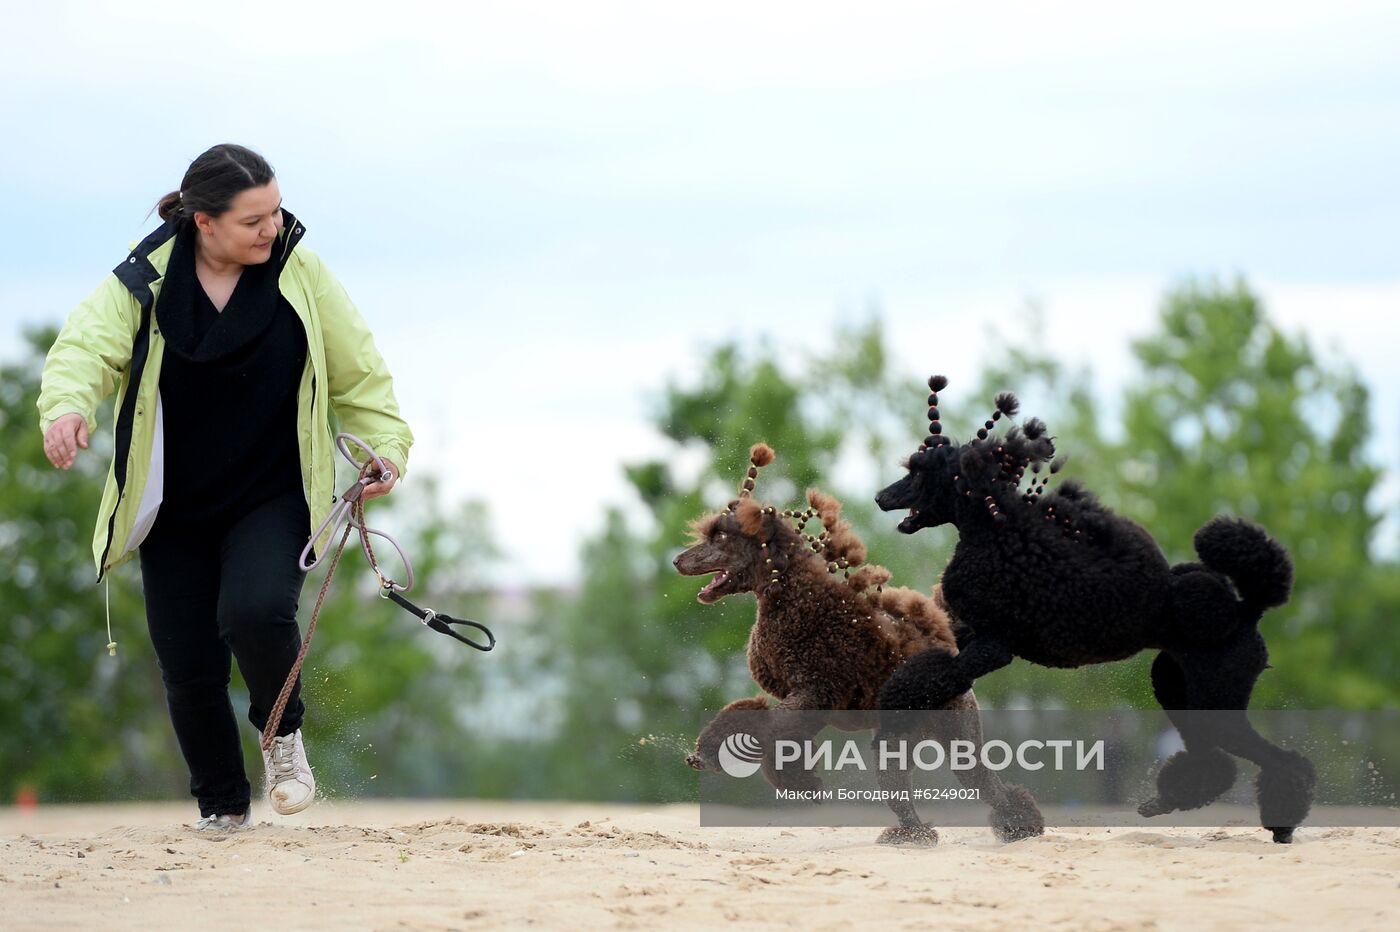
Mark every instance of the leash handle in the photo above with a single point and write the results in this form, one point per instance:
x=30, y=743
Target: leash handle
x=442, y=623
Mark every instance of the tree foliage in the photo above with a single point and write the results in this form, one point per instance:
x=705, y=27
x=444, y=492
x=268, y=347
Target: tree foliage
x=1226, y=414
x=74, y=722
x=597, y=692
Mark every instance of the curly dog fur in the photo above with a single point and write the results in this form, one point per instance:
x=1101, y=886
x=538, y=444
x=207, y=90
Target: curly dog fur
x=1060, y=580
x=827, y=637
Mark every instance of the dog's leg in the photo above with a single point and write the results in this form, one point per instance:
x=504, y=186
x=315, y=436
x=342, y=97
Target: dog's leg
x=916, y=685
x=731, y=719
x=934, y=678
x=786, y=724
x=1286, y=781
x=1014, y=813
x=898, y=784
x=1217, y=684
x=1191, y=779
x=1194, y=777
x=1223, y=678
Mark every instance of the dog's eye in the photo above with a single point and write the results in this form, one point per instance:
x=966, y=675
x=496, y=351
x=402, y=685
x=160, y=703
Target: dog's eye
x=720, y=535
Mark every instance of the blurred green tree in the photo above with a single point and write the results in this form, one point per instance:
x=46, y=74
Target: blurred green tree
x=74, y=722
x=1228, y=414
x=600, y=693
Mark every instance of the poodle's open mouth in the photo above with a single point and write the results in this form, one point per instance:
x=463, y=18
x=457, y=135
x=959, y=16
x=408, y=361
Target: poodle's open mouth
x=721, y=577
x=910, y=524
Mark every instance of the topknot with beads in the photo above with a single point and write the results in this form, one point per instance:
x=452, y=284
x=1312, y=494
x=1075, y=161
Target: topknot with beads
x=935, y=438
x=989, y=465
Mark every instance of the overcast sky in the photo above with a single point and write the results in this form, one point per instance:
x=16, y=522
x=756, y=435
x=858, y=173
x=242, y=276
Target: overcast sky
x=545, y=209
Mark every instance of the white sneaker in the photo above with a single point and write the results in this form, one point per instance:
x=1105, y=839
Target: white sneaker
x=225, y=823
x=290, y=785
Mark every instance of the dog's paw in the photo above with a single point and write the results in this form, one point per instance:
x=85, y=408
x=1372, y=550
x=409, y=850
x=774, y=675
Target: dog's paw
x=1154, y=807
x=1016, y=816
x=918, y=836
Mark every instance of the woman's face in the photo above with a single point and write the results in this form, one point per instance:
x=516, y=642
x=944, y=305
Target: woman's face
x=246, y=231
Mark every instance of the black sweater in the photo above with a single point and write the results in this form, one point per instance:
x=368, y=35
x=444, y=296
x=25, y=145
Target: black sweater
x=228, y=389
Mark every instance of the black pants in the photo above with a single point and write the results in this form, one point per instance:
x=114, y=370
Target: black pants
x=218, y=590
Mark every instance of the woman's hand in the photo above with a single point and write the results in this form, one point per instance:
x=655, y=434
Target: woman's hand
x=64, y=438
x=383, y=487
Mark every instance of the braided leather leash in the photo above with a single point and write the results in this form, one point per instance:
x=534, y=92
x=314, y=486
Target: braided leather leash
x=351, y=510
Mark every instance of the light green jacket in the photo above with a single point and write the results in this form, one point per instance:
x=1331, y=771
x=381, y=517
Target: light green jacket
x=112, y=341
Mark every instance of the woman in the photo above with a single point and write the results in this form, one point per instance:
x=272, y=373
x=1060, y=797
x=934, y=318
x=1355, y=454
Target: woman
x=229, y=345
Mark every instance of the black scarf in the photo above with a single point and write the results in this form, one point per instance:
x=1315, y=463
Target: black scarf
x=229, y=387
x=249, y=312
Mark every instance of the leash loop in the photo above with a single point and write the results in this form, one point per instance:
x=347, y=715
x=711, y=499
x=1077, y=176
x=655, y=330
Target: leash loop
x=350, y=508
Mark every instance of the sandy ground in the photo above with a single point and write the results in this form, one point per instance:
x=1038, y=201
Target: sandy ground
x=467, y=864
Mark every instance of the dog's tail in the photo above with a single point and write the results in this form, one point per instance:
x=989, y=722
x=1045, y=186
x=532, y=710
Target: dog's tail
x=1256, y=563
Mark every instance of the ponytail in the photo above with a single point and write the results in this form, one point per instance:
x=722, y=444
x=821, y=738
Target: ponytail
x=172, y=205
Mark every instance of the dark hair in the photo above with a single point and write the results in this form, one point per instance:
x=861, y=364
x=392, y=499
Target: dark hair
x=213, y=180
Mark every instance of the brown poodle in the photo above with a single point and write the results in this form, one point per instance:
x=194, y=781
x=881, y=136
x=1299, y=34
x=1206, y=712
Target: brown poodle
x=827, y=637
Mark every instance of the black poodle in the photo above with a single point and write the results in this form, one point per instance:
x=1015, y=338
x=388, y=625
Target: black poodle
x=1059, y=580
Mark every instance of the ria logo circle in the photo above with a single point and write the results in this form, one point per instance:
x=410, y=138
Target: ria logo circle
x=740, y=755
